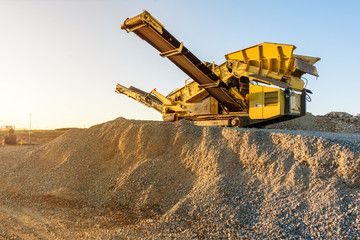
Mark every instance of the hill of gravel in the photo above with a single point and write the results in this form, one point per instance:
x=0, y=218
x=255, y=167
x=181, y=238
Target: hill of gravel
x=330, y=122
x=177, y=180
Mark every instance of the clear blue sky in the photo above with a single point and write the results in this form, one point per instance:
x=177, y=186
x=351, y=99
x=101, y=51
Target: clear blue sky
x=60, y=60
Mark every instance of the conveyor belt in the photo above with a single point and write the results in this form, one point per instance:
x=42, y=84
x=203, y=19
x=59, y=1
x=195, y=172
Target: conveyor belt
x=145, y=98
x=145, y=94
x=150, y=30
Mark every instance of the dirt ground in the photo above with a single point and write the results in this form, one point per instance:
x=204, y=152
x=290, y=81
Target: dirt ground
x=36, y=136
x=127, y=179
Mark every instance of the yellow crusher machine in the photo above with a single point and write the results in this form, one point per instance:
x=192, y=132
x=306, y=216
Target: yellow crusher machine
x=255, y=86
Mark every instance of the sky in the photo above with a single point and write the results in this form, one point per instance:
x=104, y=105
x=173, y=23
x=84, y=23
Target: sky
x=60, y=60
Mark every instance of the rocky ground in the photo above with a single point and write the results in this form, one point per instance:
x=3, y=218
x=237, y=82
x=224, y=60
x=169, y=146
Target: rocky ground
x=128, y=179
x=331, y=122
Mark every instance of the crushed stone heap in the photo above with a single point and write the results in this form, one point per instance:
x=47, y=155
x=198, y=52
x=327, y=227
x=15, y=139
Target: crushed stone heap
x=183, y=181
x=330, y=122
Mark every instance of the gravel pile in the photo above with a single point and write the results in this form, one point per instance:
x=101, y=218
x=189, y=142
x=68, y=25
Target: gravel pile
x=331, y=122
x=158, y=180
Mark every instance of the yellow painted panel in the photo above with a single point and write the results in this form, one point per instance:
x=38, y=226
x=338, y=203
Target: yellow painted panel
x=265, y=102
x=256, y=102
x=296, y=83
x=265, y=50
x=214, y=106
x=273, y=102
x=267, y=59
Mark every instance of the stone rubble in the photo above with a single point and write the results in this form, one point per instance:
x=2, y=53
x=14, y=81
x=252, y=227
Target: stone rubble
x=127, y=179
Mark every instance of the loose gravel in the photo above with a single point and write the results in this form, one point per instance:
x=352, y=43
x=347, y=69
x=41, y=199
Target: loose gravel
x=128, y=179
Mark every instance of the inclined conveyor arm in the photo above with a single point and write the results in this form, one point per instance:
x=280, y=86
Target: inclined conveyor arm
x=153, y=32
